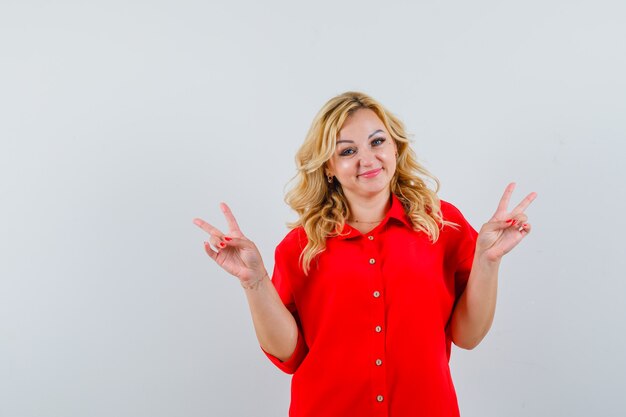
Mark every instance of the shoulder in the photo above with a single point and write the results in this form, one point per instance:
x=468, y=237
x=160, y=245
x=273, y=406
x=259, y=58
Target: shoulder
x=460, y=227
x=294, y=241
x=287, y=265
x=450, y=212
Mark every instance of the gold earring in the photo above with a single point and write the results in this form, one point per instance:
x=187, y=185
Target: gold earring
x=330, y=178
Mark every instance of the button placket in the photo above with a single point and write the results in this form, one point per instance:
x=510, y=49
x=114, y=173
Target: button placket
x=379, y=383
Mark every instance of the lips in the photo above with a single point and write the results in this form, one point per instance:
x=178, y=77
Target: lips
x=370, y=174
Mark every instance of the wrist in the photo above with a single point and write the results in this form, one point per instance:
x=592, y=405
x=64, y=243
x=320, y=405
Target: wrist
x=486, y=260
x=255, y=283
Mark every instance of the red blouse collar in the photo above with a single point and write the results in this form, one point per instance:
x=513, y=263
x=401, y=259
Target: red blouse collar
x=396, y=212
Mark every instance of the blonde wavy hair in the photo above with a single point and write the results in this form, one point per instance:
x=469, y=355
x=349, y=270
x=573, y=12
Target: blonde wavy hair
x=322, y=206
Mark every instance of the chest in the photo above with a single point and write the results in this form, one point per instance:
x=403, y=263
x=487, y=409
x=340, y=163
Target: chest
x=400, y=265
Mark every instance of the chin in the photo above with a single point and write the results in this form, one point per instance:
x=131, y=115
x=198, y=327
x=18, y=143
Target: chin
x=373, y=192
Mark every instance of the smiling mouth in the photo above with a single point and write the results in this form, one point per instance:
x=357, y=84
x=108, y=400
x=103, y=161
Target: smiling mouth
x=370, y=174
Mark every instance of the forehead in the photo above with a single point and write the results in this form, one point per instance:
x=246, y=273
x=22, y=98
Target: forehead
x=360, y=123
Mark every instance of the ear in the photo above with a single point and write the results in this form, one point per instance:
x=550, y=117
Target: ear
x=327, y=170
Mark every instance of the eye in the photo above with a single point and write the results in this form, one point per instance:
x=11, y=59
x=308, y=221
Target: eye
x=378, y=141
x=347, y=152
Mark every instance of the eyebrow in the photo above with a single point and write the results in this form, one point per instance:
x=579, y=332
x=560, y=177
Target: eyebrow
x=351, y=141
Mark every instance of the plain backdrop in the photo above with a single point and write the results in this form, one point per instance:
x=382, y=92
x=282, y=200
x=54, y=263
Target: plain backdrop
x=121, y=121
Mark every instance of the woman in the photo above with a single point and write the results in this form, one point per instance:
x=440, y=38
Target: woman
x=377, y=277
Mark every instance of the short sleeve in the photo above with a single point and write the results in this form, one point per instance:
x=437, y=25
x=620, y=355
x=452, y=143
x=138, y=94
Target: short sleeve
x=461, y=246
x=286, y=266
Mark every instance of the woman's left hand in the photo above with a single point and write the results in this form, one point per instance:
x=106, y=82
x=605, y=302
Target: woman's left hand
x=505, y=229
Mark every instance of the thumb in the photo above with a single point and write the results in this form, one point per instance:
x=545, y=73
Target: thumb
x=496, y=225
x=238, y=242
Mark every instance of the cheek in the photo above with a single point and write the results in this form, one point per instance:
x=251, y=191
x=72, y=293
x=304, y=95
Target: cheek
x=344, y=166
x=388, y=156
x=391, y=162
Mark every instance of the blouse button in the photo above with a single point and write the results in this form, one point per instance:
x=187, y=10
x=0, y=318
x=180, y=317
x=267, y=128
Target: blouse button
x=379, y=329
x=370, y=237
x=378, y=362
x=372, y=261
x=380, y=398
x=376, y=294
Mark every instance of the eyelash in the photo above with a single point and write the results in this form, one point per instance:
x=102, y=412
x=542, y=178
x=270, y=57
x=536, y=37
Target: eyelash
x=346, y=153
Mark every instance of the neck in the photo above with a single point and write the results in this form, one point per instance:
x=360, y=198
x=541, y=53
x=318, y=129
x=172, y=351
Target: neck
x=370, y=210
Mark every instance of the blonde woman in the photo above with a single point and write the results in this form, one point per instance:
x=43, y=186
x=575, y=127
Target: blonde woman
x=377, y=277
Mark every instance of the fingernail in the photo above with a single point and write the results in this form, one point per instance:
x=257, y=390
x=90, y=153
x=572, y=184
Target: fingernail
x=197, y=222
x=509, y=221
x=525, y=225
x=222, y=244
x=228, y=239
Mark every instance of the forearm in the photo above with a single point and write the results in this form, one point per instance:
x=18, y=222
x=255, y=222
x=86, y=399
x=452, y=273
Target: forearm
x=275, y=326
x=474, y=312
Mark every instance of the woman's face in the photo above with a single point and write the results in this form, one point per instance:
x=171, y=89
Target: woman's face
x=364, y=161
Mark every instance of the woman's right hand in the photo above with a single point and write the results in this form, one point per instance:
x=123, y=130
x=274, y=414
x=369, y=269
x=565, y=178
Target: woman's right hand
x=235, y=253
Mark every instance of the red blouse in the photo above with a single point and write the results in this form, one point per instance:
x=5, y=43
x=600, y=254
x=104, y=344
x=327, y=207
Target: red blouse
x=373, y=318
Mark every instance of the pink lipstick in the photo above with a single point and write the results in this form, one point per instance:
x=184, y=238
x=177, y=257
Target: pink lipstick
x=371, y=174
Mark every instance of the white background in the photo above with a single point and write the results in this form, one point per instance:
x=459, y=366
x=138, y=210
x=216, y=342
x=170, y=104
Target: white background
x=121, y=121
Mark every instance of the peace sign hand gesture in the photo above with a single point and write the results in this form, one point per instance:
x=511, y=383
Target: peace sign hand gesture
x=234, y=252
x=505, y=229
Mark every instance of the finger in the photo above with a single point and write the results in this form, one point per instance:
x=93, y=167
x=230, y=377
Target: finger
x=217, y=243
x=495, y=225
x=506, y=197
x=212, y=254
x=517, y=219
x=525, y=228
x=523, y=205
x=236, y=242
x=513, y=222
x=230, y=219
x=213, y=231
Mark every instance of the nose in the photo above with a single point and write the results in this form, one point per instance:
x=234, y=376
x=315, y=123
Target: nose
x=367, y=157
